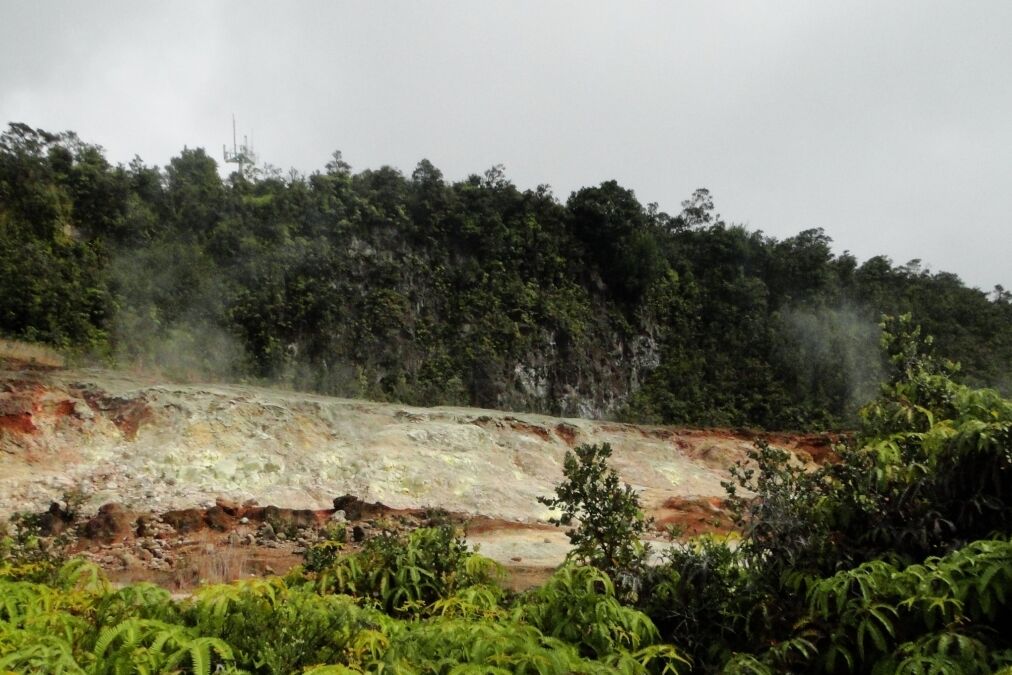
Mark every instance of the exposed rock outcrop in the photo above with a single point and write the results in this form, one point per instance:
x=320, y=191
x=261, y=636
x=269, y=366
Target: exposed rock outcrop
x=156, y=447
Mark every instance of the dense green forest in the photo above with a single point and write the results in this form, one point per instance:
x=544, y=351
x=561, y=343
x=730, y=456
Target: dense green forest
x=415, y=289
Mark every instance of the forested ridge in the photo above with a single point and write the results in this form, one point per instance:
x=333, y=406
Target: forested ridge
x=417, y=289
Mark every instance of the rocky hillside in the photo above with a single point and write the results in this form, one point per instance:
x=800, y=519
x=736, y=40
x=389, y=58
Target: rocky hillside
x=157, y=446
x=180, y=482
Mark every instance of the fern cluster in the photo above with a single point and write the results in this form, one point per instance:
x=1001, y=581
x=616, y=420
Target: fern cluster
x=947, y=612
x=420, y=604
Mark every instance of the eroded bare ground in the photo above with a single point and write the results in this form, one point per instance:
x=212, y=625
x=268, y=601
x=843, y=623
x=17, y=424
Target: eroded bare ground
x=183, y=548
x=157, y=450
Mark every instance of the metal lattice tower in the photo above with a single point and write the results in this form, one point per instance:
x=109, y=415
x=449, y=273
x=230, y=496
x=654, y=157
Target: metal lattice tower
x=239, y=154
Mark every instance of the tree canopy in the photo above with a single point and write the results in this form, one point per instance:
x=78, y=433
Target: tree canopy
x=422, y=290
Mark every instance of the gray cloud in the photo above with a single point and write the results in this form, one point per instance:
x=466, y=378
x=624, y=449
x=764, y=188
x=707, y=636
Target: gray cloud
x=884, y=123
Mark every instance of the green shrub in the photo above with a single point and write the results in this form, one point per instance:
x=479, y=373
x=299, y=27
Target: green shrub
x=407, y=574
x=868, y=565
x=611, y=522
x=26, y=553
x=323, y=554
x=276, y=629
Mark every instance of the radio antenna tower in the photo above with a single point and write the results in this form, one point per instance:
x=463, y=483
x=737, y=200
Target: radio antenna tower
x=239, y=154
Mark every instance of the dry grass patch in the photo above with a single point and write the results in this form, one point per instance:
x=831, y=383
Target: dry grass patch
x=34, y=354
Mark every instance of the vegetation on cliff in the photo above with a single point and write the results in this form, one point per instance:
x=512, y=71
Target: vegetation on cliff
x=412, y=288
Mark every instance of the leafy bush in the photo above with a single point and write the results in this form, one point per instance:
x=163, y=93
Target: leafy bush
x=323, y=554
x=276, y=628
x=611, y=523
x=779, y=512
x=76, y=623
x=404, y=575
x=894, y=559
x=942, y=615
x=704, y=600
x=25, y=552
x=578, y=605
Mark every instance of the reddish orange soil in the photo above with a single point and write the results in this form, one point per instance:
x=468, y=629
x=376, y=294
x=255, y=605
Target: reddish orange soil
x=690, y=517
x=484, y=524
x=567, y=433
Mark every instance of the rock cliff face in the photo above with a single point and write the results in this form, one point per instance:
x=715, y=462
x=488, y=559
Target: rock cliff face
x=154, y=446
x=593, y=385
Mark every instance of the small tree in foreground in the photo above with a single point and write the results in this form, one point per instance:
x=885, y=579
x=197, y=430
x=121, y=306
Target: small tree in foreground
x=611, y=522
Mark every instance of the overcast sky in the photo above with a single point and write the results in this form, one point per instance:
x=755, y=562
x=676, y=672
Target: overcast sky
x=888, y=124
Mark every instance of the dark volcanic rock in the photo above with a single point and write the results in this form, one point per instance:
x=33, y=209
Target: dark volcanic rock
x=285, y=519
x=185, y=520
x=113, y=522
x=218, y=518
x=145, y=525
x=230, y=506
x=356, y=509
x=56, y=520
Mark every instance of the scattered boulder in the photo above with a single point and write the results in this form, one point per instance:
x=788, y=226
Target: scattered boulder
x=289, y=518
x=56, y=520
x=185, y=520
x=145, y=526
x=129, y=561
x=229, y=506
x=112, y=523
x=218, y=518
x=356, y=509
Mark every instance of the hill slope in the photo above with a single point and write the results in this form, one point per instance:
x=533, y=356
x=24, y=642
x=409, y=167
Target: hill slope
x=156, y=446
x=415, y=289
